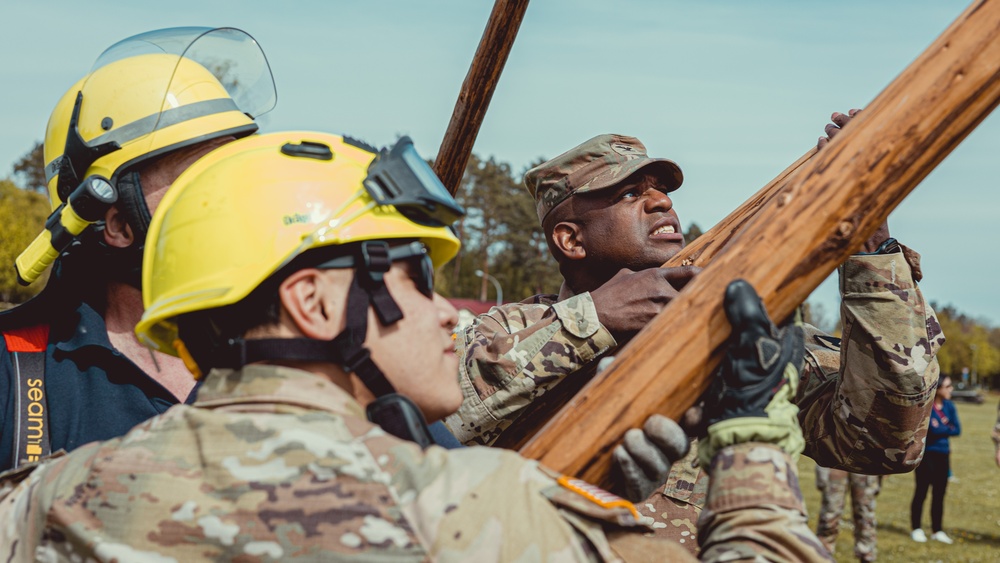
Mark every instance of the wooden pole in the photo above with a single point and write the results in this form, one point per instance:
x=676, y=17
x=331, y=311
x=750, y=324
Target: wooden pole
x=798, y=238
x=700, y=253
x=477, y=91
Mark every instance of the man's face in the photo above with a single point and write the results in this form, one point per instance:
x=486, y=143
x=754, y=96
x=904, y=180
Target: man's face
x=944, y=390
x=632, y=225
x=417, y=353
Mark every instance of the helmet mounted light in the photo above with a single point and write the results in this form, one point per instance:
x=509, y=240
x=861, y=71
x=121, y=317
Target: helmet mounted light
x=86, y=205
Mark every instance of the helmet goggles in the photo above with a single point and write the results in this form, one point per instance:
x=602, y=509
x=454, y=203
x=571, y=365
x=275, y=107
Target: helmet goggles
x=401, y=178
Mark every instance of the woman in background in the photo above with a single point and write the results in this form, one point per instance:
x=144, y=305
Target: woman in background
x=933, y=470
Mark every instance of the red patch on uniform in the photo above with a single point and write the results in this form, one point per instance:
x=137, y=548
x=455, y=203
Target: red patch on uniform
x=29, y=339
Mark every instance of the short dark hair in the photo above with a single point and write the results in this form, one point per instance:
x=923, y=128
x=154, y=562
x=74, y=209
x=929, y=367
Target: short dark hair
x=204, y=333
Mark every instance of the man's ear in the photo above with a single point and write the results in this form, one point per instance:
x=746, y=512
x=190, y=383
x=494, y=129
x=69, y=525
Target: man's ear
x=567, y=237
x=313, y=303
x=117, y=231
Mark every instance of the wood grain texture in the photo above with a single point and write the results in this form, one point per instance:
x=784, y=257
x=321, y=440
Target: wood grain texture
x=827, y=211
x=477, y=91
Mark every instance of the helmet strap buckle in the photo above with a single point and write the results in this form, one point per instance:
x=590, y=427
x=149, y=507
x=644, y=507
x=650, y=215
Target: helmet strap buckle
x=400, y=417
x=375, y=259
x=352, y=360
x=375, y=262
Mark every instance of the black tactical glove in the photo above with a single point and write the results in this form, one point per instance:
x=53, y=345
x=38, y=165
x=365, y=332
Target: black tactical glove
x=750, y=397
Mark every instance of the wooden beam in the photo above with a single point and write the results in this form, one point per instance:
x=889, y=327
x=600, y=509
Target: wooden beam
x=798, y=238
x=477, y=91
x=700, y=252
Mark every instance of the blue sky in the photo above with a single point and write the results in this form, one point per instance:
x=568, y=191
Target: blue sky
x=733, y=91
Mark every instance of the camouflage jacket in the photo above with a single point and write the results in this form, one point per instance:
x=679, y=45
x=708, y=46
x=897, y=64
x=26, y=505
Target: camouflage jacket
x=760, y=482
x=513, y=354
x=863, y=407
x=274, y=464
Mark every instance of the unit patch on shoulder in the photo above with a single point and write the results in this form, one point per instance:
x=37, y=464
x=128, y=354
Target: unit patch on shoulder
x=827, y=341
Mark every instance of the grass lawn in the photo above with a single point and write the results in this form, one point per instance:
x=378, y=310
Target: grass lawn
x=971, y=505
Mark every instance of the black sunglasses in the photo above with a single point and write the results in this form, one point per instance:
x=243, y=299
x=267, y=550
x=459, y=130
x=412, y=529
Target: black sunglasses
x=415, y=252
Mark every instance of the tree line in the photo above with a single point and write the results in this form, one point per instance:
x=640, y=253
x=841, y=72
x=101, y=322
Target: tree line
x=500, y=238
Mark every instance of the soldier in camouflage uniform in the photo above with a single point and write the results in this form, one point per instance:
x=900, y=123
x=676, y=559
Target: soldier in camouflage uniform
x=270, y=268
x=610, y=222
x=833, y=484
x=996, y=436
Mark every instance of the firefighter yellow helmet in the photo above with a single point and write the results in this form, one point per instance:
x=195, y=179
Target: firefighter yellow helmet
x=146, y=96
x=246, y=209
x=151, y=94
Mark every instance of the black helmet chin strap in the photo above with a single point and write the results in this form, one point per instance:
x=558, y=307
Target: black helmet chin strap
x=132, y=203
x=367, y=288
x=395, y=413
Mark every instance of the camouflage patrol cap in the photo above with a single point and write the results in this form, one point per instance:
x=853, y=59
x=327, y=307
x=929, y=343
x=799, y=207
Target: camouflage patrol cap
x=601, y=162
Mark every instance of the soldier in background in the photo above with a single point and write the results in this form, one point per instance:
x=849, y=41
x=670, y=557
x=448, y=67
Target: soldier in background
x=279, y=266
x=610, y=223
x=996, y=436
x=833, y=484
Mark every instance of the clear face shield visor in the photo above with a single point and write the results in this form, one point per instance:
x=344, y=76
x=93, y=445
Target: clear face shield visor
x=228, y=56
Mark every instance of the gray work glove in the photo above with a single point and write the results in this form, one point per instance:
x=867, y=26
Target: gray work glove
x=643, y=459
x=750, y=399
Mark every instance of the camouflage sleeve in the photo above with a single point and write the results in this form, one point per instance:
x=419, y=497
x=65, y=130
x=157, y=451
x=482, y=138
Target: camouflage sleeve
x=26, y=498
x=674, y=508
x=17, y=513
x=512, y=509
x=864, y=405
x=513, y=354
x=755, y=509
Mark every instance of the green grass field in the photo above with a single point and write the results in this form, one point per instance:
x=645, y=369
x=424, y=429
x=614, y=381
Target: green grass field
x=971, y=505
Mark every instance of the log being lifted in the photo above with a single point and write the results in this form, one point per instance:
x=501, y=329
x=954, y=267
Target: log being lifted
x=830, y=207
x=477, y=91
x=700, y=253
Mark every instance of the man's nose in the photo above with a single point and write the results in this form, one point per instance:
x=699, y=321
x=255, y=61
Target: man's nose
x=658, y=201
x=447, y=314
